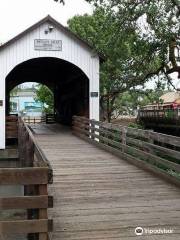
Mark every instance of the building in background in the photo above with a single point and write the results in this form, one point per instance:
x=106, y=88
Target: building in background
x=22, y=102
x=162, y=117
x=169, y=100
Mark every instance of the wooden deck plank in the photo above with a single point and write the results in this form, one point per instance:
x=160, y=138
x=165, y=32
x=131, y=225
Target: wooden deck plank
x=98, y=196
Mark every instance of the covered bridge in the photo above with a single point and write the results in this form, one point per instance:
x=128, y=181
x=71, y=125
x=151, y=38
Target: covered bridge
x=50, y=54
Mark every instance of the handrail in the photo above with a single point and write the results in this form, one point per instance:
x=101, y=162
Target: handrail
x=156, y=152
x=47, y=118
x=34, y=120
x=34, y=175
x=26, y=133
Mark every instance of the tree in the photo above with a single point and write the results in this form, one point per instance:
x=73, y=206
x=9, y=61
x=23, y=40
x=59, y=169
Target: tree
x=140, y=40
x=160, y=27
x=129, y=102
x=46, y=97
x=127, y=62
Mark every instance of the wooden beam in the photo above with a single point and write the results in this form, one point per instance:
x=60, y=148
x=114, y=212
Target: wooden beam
x=24, y=176
x=25, y=226
x=43, y=212
x=26, y=202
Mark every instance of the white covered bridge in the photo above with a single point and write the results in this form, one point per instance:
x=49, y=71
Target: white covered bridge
x=50, y=54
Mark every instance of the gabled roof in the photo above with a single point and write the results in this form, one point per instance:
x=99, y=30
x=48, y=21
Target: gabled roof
x=55, y=23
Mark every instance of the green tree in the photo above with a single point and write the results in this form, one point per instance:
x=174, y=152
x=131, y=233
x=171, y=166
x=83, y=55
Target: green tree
x=159, y=28
x=156, y=22
x=46, y=97
x=140, y=40
x=127, y=63
x=129, y=102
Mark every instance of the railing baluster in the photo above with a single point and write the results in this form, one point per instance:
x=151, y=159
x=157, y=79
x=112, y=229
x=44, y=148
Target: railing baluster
x=43, y=212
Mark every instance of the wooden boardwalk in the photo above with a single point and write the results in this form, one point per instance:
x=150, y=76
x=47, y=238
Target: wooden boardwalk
x=100, y=196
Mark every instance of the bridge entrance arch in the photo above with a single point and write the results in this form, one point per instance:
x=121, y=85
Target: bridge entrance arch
x=68, y=83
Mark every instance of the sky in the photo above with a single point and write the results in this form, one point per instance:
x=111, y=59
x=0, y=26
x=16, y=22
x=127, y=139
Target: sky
x=17, y=15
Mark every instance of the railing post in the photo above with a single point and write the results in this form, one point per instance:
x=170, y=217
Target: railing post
x=30, y=152
x=92, y=131
x=43, y=212
x=23, y=146
x=20, y=139
x=26, y=143
x=124, y=134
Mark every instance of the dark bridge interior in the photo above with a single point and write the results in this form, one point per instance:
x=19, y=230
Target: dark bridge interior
x=68, y=83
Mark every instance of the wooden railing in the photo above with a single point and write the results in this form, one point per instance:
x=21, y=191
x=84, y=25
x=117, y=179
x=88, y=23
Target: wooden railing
x=48, y=119
x=34, y=175
x=34, y=120
x=11, y=127
x=161, y=116
x=158, y=153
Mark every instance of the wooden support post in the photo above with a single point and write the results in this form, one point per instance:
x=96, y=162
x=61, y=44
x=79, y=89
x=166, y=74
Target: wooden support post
x=23, y=146
x=124, y=133
x=20, y=140
x=151, y=141
x=43, y=212
x=26, y=143
x=30, y=152
x=31, y=190
x=92, y=130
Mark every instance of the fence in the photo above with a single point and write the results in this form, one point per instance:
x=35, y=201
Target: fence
x=48, y=119
x=160, y=116
x=34, y=120
x=158, y=153
x=34, y=174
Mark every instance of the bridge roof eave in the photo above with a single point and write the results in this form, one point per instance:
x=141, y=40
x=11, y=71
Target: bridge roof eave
x=59, y=26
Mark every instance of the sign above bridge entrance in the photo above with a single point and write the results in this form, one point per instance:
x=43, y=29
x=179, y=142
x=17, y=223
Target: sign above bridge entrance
x=47, y=45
